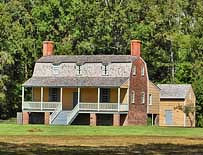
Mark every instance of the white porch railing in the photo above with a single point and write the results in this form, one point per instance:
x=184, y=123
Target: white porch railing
x=55, y=113
x=40, y=106
x=102, y=107
x=73, y=114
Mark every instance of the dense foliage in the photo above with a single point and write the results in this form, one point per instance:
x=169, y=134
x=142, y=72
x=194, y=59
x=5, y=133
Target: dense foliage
x=171, y=33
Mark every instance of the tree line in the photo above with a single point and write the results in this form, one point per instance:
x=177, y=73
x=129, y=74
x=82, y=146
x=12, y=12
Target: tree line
x=171, y=34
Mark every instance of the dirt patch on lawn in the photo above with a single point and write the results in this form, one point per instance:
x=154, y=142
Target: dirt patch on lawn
x=87, y=145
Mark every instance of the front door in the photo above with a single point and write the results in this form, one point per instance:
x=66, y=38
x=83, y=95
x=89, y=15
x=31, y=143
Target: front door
x=168, y=117
x=75, y=99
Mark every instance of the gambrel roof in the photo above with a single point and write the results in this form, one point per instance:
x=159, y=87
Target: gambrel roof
x=87, y=58
x=119, y=68
x=174, y=91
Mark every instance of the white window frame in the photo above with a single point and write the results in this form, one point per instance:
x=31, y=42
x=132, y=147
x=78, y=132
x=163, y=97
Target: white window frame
x=142, y=71
x=78, y=70
x=134, y=70
x=143, y=97
x=55, y=69
x=105, y=70
x=133, y=96
x=150, y=99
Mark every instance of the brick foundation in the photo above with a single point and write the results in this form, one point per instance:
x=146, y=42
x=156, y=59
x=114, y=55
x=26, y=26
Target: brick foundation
x=93, y=119
x=25, y=118
x=116, y=120
x=46, y=118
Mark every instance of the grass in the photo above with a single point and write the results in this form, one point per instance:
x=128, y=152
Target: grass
x=84, y=140
x=46, y=130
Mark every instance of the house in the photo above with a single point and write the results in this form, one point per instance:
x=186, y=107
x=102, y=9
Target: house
x=172, y=96
x=87, y=89
x=153, y=103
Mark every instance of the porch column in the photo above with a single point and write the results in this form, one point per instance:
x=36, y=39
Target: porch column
x=79, y=97
x=98, y=98
x=128, y=97
x=61, y=97
x=42, y=93
x=23, y=97
x=119, y=98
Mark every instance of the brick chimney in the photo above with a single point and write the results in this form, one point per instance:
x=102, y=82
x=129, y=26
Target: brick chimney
x=135, y=48
x=48, y=48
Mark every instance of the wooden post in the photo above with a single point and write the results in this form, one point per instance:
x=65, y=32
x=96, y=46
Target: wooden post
x=79, y=97
x=152, y=119
x=119, y=98
x=61, y=97
x=42, y=92
x=98, y=98
x=23, y=97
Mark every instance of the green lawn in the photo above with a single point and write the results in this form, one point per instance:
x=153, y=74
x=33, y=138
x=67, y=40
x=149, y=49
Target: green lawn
x=13, y=129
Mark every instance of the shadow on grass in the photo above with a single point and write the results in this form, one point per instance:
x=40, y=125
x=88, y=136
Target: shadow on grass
x=35, y=149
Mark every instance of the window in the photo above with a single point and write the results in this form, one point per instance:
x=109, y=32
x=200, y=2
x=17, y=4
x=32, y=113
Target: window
x=78, y=69
x=105, y=70
x=143, y=98
x=105, y=95
x=55, y=69
x=142, y=71
x=150, y=99
x=134, y=70
x=54, y=95
x=133, y=97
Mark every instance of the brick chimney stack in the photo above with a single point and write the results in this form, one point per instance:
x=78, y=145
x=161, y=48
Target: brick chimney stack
x=48, y=48
x=136, y=48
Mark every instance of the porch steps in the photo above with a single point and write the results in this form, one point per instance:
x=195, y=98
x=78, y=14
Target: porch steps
x=64, y=118
x=61, y=118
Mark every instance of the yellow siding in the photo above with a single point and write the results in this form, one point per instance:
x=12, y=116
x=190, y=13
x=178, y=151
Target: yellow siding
x=88, y=95
x=178, y=115
x=36, y=94
x=114, y=95
x=68, y=98
x=154, y=108
x=46, y=95
x=124, y=96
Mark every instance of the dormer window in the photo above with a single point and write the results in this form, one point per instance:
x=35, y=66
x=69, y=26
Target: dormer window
x=134, y=70
x=105, y=71
x=142, y=71
x=78, y=69
x=55, y=69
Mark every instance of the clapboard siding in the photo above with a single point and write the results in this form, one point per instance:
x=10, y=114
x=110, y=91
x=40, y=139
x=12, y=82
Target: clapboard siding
x=154, y=90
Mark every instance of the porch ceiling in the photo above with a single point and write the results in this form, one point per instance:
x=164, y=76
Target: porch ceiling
x=75, y=81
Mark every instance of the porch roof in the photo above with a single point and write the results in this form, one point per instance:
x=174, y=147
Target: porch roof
x=75, y=81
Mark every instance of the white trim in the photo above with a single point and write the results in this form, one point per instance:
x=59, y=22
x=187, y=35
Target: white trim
x=42, y=93
x=61, y=97
x=23, y=93
x=98, y=98
x=132, y=96
x=119, y=98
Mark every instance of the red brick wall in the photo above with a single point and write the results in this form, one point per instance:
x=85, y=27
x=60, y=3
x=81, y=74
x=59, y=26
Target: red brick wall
x=25, y=118
x=137, y=114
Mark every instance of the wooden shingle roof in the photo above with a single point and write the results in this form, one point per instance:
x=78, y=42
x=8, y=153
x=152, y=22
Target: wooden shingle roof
x=174, y=91
x=75, y=81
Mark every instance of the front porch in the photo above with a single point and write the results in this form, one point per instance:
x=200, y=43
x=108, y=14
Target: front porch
x=45, y=99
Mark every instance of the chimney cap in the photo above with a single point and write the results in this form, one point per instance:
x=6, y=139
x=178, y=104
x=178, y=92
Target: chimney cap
x=47, y=41
x=137, y=41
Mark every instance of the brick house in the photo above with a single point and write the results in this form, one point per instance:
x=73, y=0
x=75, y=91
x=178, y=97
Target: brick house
x=87, y=89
